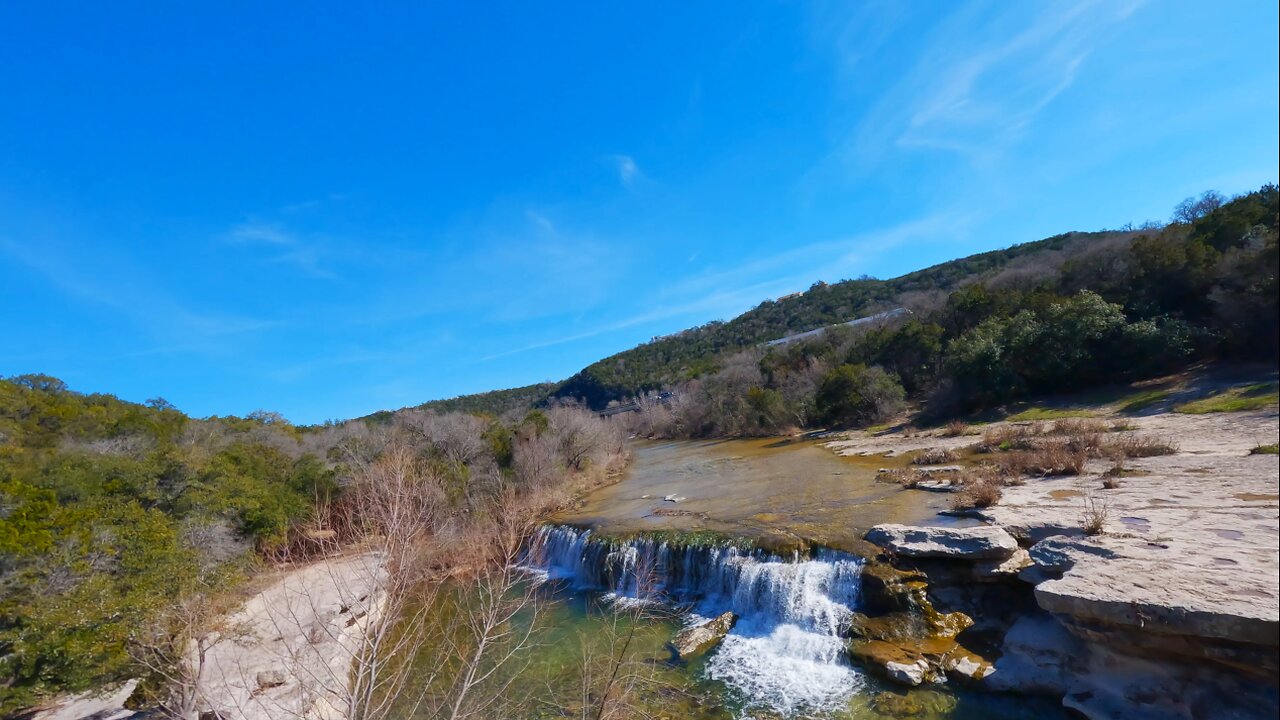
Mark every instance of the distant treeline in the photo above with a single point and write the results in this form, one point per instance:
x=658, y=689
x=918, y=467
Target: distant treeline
x=115, y=515
x=1156, y=297
x=1069, y=315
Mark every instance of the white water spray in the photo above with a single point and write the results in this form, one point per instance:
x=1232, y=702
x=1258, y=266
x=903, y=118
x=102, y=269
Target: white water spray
x=785, y=653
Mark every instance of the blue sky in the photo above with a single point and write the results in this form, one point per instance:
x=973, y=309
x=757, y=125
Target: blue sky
x=328, y=209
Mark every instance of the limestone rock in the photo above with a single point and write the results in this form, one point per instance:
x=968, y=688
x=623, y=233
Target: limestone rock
x=968, y=666
x=699, y=638
x=1039, y=656
x=886, y=588
x=917, y=661
x=1007, y=569
x=945, y=486
x=271, y=678
x=1132, y=583
x=895, y=626
x=976, y=543
x=913, y=673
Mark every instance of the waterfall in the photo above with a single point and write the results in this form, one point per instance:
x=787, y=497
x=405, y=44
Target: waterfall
x=786, y=652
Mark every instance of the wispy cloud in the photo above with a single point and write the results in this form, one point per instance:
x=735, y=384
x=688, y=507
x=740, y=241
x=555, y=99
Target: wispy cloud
x=723, y=293
x=628, y=171
x=261, y=233
x=288, y=248
x=174, y=326
x=540, y=221
x=986, y=73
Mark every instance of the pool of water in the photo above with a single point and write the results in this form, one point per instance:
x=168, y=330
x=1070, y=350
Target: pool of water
x=769, y=489
x=785, y=657
x=611, y=602
x=728, y=683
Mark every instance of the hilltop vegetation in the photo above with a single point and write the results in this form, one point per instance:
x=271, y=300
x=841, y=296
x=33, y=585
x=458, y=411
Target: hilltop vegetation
x=494, y=402
x=1104, y=309
x=124, y=527
x=1060, y=313
x=698, y=351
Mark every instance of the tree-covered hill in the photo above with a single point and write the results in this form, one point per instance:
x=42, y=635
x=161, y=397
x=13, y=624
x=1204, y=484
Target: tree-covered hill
x=494, y=402
x=1174, y=268
x=696, y=351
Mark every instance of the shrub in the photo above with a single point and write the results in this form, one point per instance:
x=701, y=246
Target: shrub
x=1010, y=437
x=1271, y=449
x=935, y=456
x=955, y=428
x=905, y=478
x=1096, y=512
x=857, y=396
x=1138, y=446
x=1080, y=426
x=1055, y=457
x=979, y=493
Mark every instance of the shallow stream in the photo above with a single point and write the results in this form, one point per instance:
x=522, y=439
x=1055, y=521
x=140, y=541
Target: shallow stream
x=785, y=658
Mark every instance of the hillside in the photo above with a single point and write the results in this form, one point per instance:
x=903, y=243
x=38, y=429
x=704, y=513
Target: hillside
x=694, y=352
x=1152, y=273
x=698, y=350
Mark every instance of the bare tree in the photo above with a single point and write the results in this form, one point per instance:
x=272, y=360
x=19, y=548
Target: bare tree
x=456, y=436
x=536, y=460
x=1192, y=209
x=583, y=437
x=174, y=649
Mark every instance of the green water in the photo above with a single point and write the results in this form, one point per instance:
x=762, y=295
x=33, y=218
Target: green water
x=573, y=625
x=757, y=489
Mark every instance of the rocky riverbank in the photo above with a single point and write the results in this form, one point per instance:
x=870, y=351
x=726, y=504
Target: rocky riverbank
x=1167, y=609
x=287, y=652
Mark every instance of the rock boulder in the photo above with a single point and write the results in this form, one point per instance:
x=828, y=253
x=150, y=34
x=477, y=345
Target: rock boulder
x=699, y=638
x=976, y=543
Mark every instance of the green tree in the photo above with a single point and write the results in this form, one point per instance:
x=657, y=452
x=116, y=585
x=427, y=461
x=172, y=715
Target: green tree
x=857, y=395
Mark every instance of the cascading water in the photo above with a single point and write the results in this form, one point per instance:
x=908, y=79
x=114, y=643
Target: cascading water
x=785, y=652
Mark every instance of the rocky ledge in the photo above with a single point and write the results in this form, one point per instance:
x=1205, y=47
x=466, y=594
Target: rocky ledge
x=976, y=543
x=703, y=636
x=1118, y=626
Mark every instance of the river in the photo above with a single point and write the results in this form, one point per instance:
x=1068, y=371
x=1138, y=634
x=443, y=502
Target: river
x=793, y=587
x=767, y=529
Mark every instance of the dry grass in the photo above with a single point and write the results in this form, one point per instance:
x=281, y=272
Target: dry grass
x=979, y=493
x=1010, y=437
x=980, y=487
x=955, y=428
x=1111, y=482
x=1055, y=457
x=1096, y=512
x=905, y=478
x=1138, y=446
x=935, y=456
x=1080, y=426
x=1064, y=447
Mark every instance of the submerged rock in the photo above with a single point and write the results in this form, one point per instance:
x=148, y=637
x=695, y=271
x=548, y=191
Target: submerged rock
x=917, y=704
x=913, y=673
x=700, y=638
x=913, y=662
x=977, y=543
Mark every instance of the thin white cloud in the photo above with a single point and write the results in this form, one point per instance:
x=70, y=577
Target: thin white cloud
x=726, y=293
x=290, y=249
x=175, y=327
x=987, y=73
x=261, y=233
x=628, y=171
x=540, y=221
